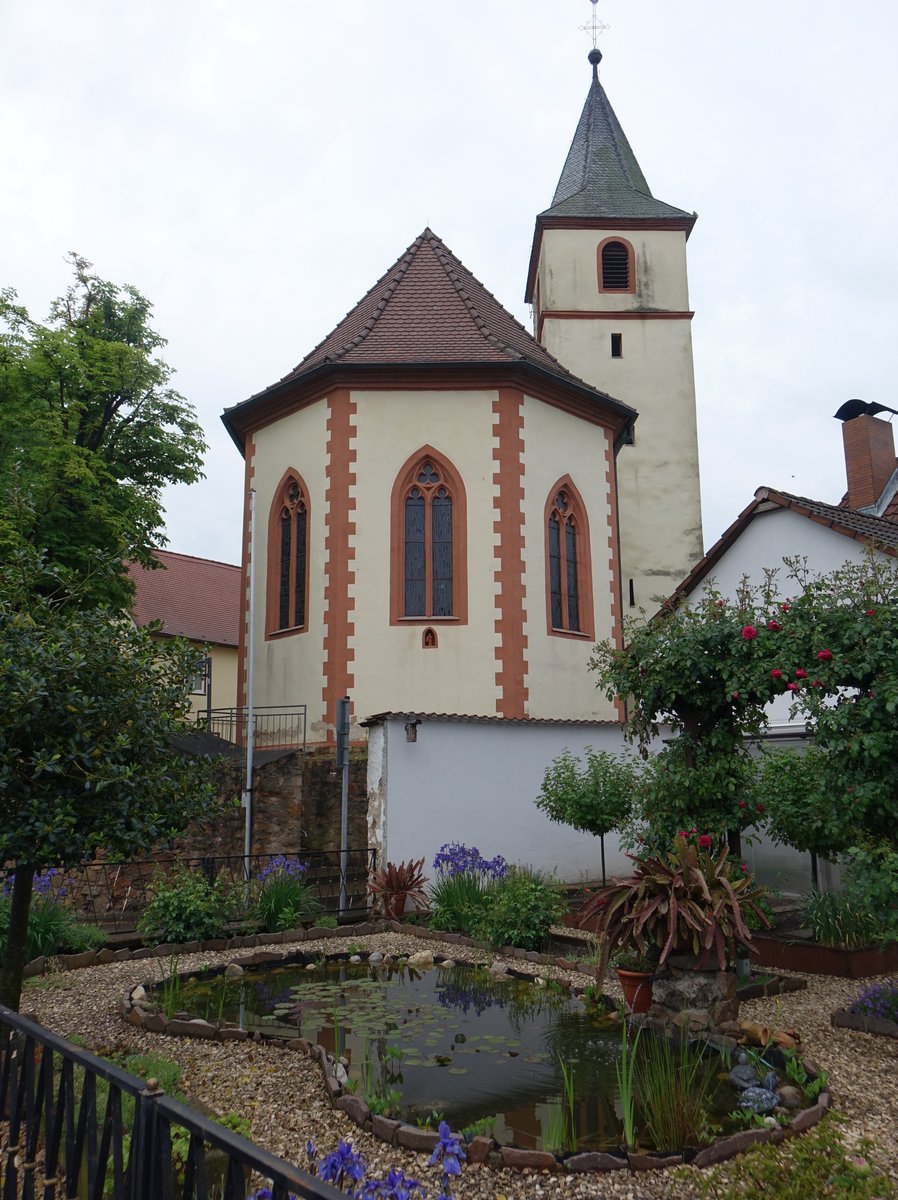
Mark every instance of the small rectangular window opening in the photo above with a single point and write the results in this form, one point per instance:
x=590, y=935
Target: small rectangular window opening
x=632, y=595
x=617, y=345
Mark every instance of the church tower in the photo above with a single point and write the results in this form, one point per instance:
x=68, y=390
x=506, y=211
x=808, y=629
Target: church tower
x=607, y=283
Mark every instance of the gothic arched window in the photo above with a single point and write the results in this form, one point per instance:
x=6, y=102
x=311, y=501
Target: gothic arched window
x=429, y=577
x=617, y=267
x=288, y=557
x=568, y=564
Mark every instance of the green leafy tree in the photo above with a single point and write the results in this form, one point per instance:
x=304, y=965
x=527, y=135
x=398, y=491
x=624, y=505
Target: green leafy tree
x=89, y=706
x=90, y=429
x=594, y=796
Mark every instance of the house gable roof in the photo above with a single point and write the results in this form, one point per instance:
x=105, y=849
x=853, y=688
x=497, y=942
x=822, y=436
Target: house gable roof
x=880, y=531
x=428, y=310
x=196, y=598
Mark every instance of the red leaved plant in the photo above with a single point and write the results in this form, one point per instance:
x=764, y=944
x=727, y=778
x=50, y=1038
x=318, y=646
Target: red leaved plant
x=683, y=902
x=394, y=885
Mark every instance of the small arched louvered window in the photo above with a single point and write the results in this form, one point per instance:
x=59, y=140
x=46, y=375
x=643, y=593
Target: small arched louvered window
x=616, y=266
x=288, y=556
x=568, y=563
x=428, y=573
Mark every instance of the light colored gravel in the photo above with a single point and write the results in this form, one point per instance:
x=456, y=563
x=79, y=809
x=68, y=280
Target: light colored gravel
x=281, y=1093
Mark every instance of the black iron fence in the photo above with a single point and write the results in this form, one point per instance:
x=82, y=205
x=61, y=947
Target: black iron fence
x=274, y=727
x=77, y=1127
x=114, y=894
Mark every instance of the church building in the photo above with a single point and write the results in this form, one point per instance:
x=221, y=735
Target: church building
x=450, y=512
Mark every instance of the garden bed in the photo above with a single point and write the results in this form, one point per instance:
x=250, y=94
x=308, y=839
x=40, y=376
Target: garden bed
x=864, y=1024
x=813, y=959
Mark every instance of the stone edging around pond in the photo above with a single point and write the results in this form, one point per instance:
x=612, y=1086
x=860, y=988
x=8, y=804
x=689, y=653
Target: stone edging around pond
x=879, y=1026
x=480, y=1149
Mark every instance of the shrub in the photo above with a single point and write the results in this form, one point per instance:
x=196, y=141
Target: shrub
x=872, y=882
x=286, y=899
x=52, y=927
x=186, y=907
x=519, y=909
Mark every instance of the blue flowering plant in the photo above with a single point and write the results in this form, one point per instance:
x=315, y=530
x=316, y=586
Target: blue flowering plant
x=286, y=897
x=52, y=925
x=878, y=1000
x=346, y=1169
x=462, y=884
x=447, y=1154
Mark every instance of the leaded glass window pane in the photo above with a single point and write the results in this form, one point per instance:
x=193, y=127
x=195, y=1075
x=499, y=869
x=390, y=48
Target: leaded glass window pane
x=555, y=573
x=284, y=578
x=299, y=617
x=415, y=565
x=441, y=552
x=570, y=552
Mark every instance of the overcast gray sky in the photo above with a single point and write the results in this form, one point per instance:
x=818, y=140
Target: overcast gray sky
x=254, y=168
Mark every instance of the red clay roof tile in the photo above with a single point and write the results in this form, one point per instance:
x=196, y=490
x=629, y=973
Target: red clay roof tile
x=195, y=598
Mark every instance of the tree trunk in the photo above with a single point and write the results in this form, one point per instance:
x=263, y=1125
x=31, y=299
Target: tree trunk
x=17, y=937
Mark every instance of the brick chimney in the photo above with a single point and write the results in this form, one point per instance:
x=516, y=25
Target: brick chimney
x=869, y=458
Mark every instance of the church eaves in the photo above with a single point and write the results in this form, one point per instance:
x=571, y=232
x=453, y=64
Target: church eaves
x=601, y=177
x=427, y=311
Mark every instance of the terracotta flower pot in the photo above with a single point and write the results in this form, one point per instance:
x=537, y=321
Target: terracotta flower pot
x=637, y=987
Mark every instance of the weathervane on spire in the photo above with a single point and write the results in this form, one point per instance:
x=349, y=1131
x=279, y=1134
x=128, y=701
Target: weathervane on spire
x=595, y=26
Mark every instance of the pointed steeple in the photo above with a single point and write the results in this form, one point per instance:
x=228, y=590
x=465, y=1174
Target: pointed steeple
x=601, y=177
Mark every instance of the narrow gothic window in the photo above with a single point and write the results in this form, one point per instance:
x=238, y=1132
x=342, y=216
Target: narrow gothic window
x=616, y=266
x=428, y=545
x=428, y=572
x=288, y=557
x=568, y=567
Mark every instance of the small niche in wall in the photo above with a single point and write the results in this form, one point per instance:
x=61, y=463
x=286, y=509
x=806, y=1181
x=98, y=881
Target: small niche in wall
x=429, y=639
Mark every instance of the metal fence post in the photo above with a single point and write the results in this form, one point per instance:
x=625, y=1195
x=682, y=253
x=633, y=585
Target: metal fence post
x=144, y=1165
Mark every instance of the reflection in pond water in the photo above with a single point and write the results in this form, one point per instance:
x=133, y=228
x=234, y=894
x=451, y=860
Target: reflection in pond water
x=528, y=1064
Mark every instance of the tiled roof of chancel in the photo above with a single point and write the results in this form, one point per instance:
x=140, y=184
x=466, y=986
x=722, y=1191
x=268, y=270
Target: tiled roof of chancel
x=428, y=308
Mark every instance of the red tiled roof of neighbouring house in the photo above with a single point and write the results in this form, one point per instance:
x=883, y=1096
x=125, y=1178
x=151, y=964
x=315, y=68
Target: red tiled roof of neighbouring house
x=196, y=598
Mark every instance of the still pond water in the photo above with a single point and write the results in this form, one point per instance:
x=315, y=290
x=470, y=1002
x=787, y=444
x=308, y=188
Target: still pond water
x=446, y=1043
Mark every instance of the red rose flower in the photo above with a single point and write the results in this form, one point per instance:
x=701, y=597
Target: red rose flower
x=776, y=673
x=735, y=695
x=784, y=608
x=743, y=867
x=743, y=804
x=760, y=808
x=773, y=626
x=801, y=673
x=749, y=632
x=793, y=687
x=705, y=841
x=871, y=612
x=683, y=834
x=825, y=655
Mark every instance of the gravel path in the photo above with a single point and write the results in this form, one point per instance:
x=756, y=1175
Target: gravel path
x=282, y=1094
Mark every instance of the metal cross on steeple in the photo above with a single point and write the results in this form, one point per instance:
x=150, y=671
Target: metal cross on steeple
x=595, y=26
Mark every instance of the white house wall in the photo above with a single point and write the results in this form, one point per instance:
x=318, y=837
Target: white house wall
x=477, y=783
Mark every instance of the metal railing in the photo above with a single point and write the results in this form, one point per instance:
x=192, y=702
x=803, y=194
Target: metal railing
x=281, y=727
x=76, y=1127
x=114, y=894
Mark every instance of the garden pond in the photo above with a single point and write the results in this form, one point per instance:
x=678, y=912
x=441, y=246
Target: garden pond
x=527, y=1064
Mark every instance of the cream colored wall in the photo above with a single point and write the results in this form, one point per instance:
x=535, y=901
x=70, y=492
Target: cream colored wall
x=557, y=444
x=659, y=496
x=569, y=277
x=290, y=670
x=224, y=677
x=392, y=670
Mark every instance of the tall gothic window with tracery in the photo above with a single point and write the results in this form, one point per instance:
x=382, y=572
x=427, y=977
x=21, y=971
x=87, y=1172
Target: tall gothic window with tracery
x=288, y=557
x=564, y=553
x=428, y=556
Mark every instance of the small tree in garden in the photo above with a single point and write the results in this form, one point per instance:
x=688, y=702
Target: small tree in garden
x=694, y=670
x=89, y=705
x=594, y=797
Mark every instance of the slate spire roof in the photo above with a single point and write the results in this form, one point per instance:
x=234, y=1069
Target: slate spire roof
x=601, y=177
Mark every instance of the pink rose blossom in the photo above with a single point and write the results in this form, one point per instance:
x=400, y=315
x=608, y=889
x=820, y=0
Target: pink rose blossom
x=793, y=687
x=773, y=626
x=705, y=841
x=801, y=673
x=749, y=632
x=825, y=655
x=776, y=673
